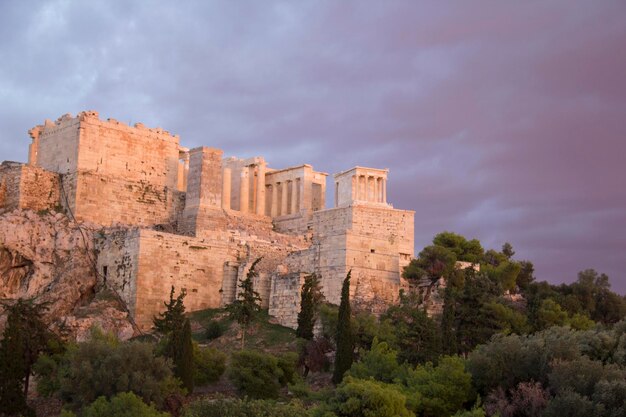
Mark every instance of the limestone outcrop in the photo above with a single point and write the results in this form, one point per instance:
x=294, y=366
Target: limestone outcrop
x=46, y=256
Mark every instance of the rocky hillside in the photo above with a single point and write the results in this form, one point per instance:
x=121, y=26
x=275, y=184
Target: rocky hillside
x=48, y=257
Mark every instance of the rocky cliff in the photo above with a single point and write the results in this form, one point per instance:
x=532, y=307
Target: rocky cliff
x=48, y=257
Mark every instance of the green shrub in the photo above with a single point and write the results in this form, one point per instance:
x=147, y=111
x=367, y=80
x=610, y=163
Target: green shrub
x=243, y=408
x=255, y=374
x=214, y=330
x=104, y=367
x=287, y=364
x=364, y=398
x=380, y=363
x=125, y=404
x=439, y=390
x=210, y=365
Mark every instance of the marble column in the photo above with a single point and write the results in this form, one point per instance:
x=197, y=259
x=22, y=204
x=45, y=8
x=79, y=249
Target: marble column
x=274, y=208
x=260, y=189
x=226, y=184
x=283, y=202
x=384, y=183
x=294, y=196
x=244, y=189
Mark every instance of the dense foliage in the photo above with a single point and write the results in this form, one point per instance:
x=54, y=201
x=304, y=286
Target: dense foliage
x=260, y=375
x=244, y=408
x=125, y=404
x=105, y=367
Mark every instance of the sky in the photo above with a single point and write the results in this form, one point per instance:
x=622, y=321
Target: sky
x=501, y=121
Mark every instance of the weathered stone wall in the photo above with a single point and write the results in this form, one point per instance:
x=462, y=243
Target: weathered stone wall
x=117, y=263
x=109, y=201
x=285, y=298
x=164, y=260
x=56, y=145
x=27, y=187
x=10, y=177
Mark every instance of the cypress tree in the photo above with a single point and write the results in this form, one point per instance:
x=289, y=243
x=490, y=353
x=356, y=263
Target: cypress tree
x=183, y=355
x=310, y=299
x=248, y=303
x=345, y=338
x=176, y=328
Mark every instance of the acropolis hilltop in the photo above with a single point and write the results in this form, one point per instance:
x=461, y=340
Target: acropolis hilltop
x=196, y=220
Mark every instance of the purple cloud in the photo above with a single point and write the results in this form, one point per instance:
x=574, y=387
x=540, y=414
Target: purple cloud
x=500, y=121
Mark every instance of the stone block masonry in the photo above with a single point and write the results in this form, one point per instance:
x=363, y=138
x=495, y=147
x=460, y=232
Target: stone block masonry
x=197, y=220
x=27, y=187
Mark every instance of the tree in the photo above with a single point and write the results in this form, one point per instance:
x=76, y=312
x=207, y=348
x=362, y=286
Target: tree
x=248, y=303
x=379, y=363
x=465, y=250
x=433, y=262
x=25, y=337
x=310, y=299
x=418, y=338
x=176, y=328
x=507, y=250
x=174, y=315
x=182, y=350
x=345, y=338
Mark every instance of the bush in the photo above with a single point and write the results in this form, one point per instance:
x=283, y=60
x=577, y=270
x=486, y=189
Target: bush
x=380, y=363
x=440, y=390
x=125, y=404
x=210, y=365
x=571, y=404
x=363, y=398
x=255, y=374
x=287, y=364
x=243, y=408
x=214, y=330
x=105, y=367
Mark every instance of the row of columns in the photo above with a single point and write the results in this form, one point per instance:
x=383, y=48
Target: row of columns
x=285, y=206
x=257, y=192
x=369, y=188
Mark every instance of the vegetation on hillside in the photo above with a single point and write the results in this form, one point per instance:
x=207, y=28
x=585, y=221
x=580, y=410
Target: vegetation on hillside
x=502, y=345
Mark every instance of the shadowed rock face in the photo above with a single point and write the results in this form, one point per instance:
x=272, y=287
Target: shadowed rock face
x=47, y=257
x=15, y=272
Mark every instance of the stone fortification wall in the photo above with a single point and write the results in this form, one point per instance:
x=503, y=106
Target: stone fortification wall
x=142, y=265
x=117, y=263
x=55, y=145
x=371, y=240
x=112, y=201
x=377, y=250
x=27, y=187
x=113, y=173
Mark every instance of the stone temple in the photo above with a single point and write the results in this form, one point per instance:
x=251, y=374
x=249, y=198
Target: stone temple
x=168, y=215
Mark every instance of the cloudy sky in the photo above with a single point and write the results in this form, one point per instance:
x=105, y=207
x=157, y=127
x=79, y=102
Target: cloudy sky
x=502, y=121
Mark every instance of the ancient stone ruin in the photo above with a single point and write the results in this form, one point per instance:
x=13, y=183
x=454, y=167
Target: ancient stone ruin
x=166, y=215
